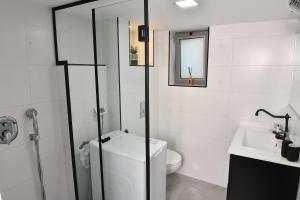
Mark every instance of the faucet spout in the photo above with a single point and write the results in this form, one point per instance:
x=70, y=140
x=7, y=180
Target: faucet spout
x=286, y=117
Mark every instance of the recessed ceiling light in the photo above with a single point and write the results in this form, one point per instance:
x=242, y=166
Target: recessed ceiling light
x=186, y=3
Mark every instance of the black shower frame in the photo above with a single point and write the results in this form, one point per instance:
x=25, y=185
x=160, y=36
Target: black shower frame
x=66, y=65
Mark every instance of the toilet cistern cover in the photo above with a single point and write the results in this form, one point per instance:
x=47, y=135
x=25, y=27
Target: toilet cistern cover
x=173, y=158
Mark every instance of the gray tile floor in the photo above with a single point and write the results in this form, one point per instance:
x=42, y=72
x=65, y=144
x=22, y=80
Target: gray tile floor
x=181, y=187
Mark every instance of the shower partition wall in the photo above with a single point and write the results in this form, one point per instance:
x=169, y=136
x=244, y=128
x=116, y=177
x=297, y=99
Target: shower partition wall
x=91, y=43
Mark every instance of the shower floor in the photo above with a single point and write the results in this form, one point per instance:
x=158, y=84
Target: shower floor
x=180, y=187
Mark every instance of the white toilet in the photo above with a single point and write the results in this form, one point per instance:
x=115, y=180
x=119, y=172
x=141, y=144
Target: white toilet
x=174, y=161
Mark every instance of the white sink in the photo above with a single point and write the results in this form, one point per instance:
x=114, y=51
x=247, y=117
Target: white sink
x=257, y=141
x=260, y=140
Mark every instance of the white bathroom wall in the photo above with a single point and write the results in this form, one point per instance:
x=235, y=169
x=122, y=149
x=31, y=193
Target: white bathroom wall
x=28, y=79
x=250, y=67
x=295, y=93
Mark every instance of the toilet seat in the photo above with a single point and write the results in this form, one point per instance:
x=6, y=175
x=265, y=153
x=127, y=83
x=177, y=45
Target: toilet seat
x=174, y=160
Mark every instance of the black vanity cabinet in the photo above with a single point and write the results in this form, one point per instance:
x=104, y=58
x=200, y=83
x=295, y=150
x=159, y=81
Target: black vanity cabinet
x=251, y=179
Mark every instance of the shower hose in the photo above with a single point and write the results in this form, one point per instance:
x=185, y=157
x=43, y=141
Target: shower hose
x=32, y=113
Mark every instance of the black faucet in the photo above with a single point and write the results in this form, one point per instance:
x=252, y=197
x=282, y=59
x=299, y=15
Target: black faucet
x=286, y=117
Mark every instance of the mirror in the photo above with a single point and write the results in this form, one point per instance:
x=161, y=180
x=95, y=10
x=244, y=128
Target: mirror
x=295, y=92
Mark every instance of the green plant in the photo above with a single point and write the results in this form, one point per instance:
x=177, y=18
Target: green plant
x=133, y=50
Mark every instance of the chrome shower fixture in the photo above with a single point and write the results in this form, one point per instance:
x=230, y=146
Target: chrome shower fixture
x=32, y=114
x=295, y=6
x=8, y=129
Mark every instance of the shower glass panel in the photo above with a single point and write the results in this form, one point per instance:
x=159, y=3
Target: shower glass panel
x=107, y=98
x=75, y=35
x=75, y=45
x=122, y=106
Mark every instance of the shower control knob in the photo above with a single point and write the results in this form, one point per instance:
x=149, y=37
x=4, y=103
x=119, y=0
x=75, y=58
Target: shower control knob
x=8, y=130
x=7, y=137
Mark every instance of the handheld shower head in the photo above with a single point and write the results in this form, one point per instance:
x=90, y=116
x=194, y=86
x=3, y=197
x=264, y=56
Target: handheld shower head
x=31, y=113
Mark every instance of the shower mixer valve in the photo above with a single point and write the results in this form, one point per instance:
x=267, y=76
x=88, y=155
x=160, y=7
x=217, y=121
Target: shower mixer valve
x=8, y=129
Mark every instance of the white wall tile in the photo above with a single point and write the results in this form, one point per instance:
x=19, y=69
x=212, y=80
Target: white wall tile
x=221, y=31
x=220, y=52
x=267, y=28
x=43, y=83
x=40, y=46
x=219, y=79
x=295, y=91
x=271, y=50
x=296, y=57
x=14, y=86
x=262, y=80
x=28, y=189
x=13, y=45
x=13, y=159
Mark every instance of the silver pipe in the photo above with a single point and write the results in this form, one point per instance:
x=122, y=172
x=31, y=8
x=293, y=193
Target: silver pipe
x=32, y=114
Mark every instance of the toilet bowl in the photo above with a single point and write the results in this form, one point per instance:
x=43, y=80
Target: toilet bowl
x=174, y=161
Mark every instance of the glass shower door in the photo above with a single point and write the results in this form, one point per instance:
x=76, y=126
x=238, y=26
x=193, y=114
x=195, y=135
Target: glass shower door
x=122, y=102
x=102, y=47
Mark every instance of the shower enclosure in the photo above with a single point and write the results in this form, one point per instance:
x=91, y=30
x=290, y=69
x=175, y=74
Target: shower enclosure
x=107, y=99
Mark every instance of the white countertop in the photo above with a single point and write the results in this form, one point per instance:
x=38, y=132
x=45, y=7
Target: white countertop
x=262, y=144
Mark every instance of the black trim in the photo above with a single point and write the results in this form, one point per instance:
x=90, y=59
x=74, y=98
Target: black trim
x=169, y=57
x=55, y=36
x=147, y=110
x=119, y=72
x=69, y=109
x=69, y=5
x=92, y=65
x=98, y=100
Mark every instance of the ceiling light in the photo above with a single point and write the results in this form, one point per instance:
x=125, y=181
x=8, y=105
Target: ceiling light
x=186, y=3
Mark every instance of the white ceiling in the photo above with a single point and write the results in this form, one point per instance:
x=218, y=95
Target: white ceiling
x=166, y=15
x=212, y=12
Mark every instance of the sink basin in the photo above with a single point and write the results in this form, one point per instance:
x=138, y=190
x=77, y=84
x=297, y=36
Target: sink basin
x=257, y=141
x=260, y=140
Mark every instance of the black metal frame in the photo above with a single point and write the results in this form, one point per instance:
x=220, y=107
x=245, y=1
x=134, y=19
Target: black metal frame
x=97, y=99
x=68, y=98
